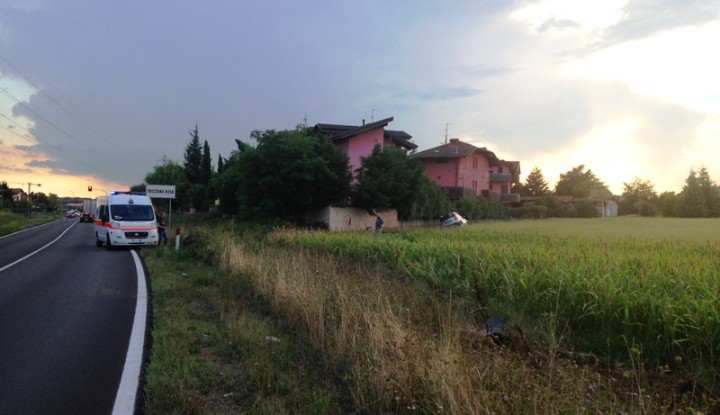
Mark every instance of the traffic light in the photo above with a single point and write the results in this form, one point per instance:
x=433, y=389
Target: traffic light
x=89, y=188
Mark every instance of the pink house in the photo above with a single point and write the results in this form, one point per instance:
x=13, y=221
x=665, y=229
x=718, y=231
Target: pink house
x=504, y=175
x=468, y=171
x=357, y=141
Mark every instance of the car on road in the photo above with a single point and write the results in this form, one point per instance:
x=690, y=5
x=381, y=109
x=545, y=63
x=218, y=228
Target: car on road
x=72, y=214
x=454, y=219
x=87, y=217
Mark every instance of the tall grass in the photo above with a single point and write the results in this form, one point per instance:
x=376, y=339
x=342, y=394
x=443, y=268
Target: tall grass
x=607, y=293
x=12, y=222
x=401, y=345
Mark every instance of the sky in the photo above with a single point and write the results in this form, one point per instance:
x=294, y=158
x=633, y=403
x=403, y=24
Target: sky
x=99, y=92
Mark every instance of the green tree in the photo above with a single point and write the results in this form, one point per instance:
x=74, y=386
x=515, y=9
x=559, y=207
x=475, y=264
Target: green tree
x=555, y=207
x=228, y=180
x=138, y=188
x=691, y=201
x=5, y=195
x=480, y=208
x=289, y=173
x=221, y=163
x=388, y=179
x=53, y=202
x=535, y=184
x=202, y=193
x=198, y=171
x=639, y=197
x=667, y=203
x=39, y=199
x=699, y=197
x=206, y=170
x=430, y=202
x=171, y=173
x=586, y=209
x=193, y=157
x=577, y=182
x=710, y=193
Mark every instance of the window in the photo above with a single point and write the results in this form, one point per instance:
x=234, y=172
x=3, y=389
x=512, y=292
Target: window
x=132, y=212
x=475, y=163
x=500, y=169
x=442, y=161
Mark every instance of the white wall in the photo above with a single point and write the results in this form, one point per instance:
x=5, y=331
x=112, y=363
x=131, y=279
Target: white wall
x=348, y=219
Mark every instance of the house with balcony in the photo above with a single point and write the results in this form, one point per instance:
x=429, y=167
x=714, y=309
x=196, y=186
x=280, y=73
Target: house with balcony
x=465, y=170
x=358, y=141
x=502, y=178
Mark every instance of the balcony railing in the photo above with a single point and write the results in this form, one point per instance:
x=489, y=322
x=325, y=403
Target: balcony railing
x=455, y=193
x=500, y=177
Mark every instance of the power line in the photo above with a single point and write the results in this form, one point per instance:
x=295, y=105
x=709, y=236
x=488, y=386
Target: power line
x=43, y=146
x=54, y=101
x=11, y=149
x=42, y=118
x=83, y=145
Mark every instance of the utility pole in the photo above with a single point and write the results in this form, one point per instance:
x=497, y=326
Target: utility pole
x=30, y=198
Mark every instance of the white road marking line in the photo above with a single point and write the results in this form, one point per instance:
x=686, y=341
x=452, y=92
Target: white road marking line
x=129, y=383
x=40, y=249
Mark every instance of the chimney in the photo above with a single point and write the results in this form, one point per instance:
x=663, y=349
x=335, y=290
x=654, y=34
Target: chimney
x=454, y=145
x=363, y=121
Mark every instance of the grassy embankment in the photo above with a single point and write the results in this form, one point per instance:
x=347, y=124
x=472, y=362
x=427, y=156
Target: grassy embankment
x=13, y=222
x=395, y=323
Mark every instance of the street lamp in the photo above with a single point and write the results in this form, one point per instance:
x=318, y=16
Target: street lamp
x=29, y=197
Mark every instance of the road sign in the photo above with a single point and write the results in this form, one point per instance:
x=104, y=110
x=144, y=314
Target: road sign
x=160, y=191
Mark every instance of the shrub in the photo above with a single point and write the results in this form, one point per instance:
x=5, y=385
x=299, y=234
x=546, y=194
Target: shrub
x=479, y=208
x=586, y=209
x=528, y=212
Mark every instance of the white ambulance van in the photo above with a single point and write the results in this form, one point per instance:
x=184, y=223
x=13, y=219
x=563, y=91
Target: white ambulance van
x=125, y=219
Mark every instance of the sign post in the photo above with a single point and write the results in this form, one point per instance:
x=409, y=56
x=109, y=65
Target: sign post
x=162, y=191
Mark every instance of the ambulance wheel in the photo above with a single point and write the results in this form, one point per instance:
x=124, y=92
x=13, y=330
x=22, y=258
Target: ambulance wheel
x=98, y=242
x=108, y=243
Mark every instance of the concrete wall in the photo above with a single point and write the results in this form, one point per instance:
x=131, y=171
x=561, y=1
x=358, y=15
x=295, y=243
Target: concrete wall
x=351, y=219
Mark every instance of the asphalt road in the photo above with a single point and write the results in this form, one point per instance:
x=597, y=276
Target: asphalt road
x=66, y=315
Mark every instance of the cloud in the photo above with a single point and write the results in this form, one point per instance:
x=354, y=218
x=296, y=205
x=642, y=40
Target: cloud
x=645, y=18
x=47, y=164
x=25, y=6
x=676, y=66
x=601, y=124
x=434, y=92
x=7, y=168
x=559, y=24
x=569, y=17
x=30, y=149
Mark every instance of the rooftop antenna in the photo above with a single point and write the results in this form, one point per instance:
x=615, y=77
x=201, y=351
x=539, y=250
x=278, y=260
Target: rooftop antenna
x=446, y=133
x=372, y=115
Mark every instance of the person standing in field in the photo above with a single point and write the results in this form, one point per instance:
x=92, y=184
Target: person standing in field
x=378, y=224
x=161, y=225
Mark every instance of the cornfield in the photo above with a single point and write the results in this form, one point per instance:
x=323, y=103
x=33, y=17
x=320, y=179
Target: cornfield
x=612, y=287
